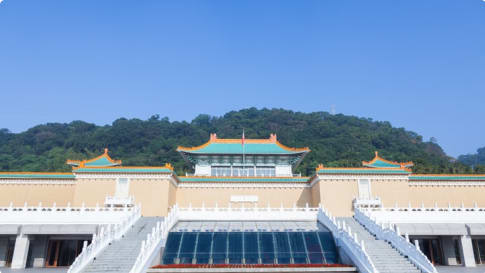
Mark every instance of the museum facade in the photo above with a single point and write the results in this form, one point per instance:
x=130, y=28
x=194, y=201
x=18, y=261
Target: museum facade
x=439, y=214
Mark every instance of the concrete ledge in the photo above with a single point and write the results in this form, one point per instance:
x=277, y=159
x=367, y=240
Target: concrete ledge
x=9, y=229
x=242, y=270
x=59, y=229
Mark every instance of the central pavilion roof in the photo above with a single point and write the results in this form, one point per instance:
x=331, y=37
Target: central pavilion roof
x=270, y=146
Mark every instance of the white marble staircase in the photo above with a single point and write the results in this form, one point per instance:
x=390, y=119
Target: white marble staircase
x=385, y=258
x=121, y=255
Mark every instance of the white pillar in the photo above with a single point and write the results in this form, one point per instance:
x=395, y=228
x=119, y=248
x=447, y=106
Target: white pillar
x=19, y=259
x=467, y=256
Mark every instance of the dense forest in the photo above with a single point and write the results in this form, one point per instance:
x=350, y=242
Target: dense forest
x=335, y=140
x=475, y=160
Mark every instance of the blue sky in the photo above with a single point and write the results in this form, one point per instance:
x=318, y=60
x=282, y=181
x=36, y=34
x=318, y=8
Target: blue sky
x=418, y=64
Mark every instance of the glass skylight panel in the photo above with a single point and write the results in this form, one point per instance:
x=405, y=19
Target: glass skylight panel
x=298, y=248
x=187, y=247
x=267, y=247
x=314, y=250
x=204, y=244
x=172, y=247
x=219, y=248
x=235, y=248
x=255, y=247
x=328, y=247
x=283, y=247
x=251, y=248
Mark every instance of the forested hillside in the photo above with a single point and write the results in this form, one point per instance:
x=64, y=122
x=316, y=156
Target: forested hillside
x=476, y=160
x=335, y=140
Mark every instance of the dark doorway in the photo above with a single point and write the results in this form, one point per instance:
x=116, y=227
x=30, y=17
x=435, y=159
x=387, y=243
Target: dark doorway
x=62, y=252
x=432, y=249
x=9, y=254
x=479, y=250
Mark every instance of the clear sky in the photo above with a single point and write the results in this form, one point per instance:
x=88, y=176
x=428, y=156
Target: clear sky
x=418, y=64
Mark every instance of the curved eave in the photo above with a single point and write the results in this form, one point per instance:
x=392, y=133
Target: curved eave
x=285, y=149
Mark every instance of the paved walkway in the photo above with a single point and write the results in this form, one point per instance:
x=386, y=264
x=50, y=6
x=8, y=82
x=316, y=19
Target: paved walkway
x=461, y=269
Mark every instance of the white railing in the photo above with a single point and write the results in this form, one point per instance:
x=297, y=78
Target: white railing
x=350, y=243
x=119, y=201
x=367, y=203
x=429, y=215
x=63, y=215
x=106, y=235
x=154, y=241
x=248, y=213
x=400, y=243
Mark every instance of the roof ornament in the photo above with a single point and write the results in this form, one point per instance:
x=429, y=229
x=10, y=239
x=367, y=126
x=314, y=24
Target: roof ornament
x=272, y=138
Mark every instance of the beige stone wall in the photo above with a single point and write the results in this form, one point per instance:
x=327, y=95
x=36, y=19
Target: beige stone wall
x=93, y=191
x=391, y=191
x=172, y=194
x=153, y=194
x=337, y=195
x=443, y=194
x=46, y=193
x=158, y=195
x=315, y=192
x=275, y=196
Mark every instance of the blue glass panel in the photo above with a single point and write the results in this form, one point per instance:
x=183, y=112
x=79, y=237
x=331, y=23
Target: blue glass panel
x=283, y=247
x=328, y=245
x=235, y=252
x=171, y=247
x=187, y=247
x=219, y=248
x=203, y=248
x=267, y=247
x=251, y=249
x=298, y=248
x=313, y=248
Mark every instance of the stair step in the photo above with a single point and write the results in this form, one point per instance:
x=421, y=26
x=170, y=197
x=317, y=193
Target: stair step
x=120, y=255
x=384, y=257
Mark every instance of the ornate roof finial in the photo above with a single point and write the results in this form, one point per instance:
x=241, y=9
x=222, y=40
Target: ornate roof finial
x=377, y=153
x=213, y=137
x=272, y=137
x=105, y=151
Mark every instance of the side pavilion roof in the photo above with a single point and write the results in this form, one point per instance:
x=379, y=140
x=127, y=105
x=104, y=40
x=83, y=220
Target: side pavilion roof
x=378, y=165
x=270, y=146
x=379, y=162
x=103, y=160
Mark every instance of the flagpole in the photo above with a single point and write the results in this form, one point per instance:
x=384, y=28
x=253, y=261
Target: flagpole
x=244, y=159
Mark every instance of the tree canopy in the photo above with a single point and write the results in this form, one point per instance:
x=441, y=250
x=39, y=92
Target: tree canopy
x=477, y=161
x=335, y=140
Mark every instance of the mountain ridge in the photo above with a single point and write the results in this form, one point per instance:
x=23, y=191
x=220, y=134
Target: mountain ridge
x=335, y=140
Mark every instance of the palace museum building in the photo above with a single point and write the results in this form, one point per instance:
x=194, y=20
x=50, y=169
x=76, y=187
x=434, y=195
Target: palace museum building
x=243, y=209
